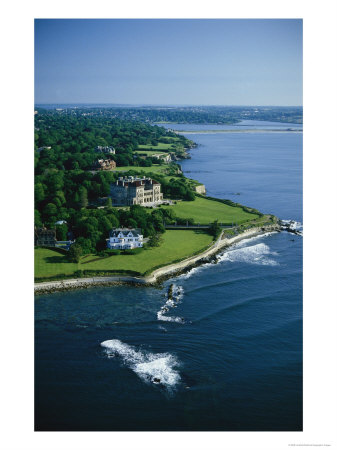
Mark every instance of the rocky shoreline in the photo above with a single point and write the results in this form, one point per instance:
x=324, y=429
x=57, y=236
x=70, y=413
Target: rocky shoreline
x=158, y=275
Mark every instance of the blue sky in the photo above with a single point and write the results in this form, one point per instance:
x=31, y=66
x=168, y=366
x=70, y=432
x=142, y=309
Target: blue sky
x=162, y=61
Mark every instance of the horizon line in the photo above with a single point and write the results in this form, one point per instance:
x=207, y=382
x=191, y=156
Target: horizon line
x=167, y=104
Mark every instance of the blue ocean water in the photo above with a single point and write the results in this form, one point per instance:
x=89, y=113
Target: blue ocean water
x=227, y=347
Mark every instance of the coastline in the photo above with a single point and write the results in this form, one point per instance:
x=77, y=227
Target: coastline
x=237, y=131
x=157, y=275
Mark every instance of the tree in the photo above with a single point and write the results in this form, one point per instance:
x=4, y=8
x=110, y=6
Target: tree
x=113, y=220
x=39, y=192
x=132, y=223
x=157, y=220
x=108, y=202
x=214, y=229
x=37, y=218
x=190, y=196
x=85, y=244
x=61, y=232
x=74, y=253
x=50, y=212
x=155, y=240
x=83, y=197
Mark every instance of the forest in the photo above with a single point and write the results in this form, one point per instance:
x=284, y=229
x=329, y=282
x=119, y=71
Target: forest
x=67, y=189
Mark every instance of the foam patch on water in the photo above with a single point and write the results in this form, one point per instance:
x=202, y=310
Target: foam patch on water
x=150, y=367
x=161, y=316
x=194, y=271
x=176, y=296
x=294, y=225
x=255, y=254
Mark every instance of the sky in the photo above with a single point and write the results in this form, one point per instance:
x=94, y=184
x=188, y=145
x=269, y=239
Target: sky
x=169, y=61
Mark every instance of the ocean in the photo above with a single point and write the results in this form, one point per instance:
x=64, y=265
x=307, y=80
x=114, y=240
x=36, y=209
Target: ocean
x=227, y=347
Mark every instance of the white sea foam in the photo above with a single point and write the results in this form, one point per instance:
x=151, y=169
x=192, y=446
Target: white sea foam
x=193, y=271
x=161, y=316
x=249, y=240
x=254, y=254
x=294, y=225
x=148, y=366
x=176, y=296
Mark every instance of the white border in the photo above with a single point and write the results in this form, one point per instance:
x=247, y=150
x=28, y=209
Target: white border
x=320, y=121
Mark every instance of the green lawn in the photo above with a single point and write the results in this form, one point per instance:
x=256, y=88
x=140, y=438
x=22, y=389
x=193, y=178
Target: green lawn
x=160, y=146
x=49, y=263
x=177, y=245
x=204, y=211
x=149, y=152
x=155, y=168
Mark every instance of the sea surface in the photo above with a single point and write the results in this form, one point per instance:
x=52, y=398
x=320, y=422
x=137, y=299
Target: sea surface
x=226, y=347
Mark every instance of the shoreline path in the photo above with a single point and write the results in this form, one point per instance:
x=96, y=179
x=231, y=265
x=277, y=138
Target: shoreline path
x=157, y=274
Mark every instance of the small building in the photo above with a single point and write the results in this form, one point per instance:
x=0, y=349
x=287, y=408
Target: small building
x=107, y=150
x=105, y=164
x=200, y=189
x=125, y=238
x=44, y=237
x=166, y=157
x=135, y=191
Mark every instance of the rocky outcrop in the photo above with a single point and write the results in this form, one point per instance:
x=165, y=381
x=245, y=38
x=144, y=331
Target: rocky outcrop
x=200, y=189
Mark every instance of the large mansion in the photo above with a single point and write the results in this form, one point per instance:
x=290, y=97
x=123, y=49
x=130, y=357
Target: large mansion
x=125, y=238
x=135, y=191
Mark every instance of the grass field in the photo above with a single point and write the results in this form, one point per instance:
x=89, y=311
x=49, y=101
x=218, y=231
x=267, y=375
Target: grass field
x=149, y=152
x=177, y=245
x=204, y=211
x=155, y=168
x=160, y=146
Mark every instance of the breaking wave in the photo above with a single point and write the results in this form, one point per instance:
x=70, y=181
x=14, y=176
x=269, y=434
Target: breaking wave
x=193, y=271
x=150, y=367
x=293, y=225
x=255, y=254
x=171, y=302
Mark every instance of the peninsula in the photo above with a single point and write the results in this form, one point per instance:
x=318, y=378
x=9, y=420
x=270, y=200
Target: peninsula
x=139, y=187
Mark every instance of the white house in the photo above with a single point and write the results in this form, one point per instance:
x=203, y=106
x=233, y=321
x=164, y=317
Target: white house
x=125, y=238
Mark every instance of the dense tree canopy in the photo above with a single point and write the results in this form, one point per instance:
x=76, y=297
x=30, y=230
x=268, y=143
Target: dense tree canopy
x=67, y=189
x=68, y=141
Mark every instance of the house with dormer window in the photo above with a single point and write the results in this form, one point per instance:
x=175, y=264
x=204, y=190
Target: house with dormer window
x=125, y=238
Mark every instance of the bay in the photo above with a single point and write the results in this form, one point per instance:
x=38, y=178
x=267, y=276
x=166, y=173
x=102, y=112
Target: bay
x=228, y=349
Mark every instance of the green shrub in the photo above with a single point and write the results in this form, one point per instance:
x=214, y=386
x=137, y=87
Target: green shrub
x=78, y=273
x=133, y=251
x=112, y=251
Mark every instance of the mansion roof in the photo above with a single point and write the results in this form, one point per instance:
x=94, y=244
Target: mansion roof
x=136, y=182
x=135, y=232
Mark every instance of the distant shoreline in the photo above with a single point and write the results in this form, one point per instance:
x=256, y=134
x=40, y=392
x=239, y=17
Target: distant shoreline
x=157, y=275
x=237, y=131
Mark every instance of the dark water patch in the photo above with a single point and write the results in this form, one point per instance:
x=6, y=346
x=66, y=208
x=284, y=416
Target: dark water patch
x=239, y=353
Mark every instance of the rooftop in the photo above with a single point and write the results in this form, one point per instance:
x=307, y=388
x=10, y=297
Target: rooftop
x=125, y=231
x=135, y=181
